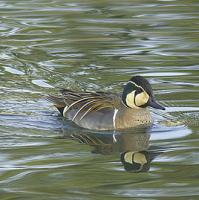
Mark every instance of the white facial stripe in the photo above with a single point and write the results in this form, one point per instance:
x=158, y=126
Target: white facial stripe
x=137, y=85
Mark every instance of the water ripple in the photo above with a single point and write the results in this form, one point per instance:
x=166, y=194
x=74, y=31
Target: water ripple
x=96, y=45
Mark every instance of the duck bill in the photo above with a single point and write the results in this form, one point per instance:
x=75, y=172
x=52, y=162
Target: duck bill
x=152, y=103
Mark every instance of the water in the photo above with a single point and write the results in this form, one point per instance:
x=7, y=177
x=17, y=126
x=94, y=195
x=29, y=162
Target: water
x=97, y=45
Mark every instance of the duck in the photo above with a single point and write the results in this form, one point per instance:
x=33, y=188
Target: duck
x=109, y=111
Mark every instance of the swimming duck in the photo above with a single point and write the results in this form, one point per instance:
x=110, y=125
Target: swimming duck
x=108, y=111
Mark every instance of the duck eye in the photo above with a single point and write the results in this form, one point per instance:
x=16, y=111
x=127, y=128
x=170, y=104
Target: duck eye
x=138, y=91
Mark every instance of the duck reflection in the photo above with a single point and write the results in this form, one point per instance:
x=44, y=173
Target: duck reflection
x=132, y=146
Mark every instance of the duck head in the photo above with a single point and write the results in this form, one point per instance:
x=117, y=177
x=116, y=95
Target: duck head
x=138, y=93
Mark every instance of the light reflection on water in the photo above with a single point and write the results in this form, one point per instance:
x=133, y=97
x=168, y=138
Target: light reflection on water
x=97, y=45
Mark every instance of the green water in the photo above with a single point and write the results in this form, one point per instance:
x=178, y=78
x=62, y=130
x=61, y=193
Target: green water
x=97, y=45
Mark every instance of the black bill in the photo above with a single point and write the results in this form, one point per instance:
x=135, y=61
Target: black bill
x=152, y=103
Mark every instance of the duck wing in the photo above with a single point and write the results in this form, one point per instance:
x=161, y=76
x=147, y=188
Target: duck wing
x=72, y=104
x=80, y=104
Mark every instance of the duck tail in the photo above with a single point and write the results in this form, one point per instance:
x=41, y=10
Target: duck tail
x=58, y=102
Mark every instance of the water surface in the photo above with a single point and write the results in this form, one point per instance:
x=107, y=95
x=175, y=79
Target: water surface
x=97, y=45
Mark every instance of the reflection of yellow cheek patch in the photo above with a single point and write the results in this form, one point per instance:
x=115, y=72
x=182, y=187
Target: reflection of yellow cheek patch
x=141, y=99
x=130, y=99
x=139, y=158
x=128, y=157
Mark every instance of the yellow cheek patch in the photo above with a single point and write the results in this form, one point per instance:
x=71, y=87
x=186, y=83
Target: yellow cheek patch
x=130, y=99
x=141, y=99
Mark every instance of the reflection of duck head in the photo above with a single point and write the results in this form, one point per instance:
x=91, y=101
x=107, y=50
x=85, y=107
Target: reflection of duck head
x=136, y=161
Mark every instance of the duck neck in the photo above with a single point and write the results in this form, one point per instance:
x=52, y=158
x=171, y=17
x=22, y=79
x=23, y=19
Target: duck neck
x=131, y=117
